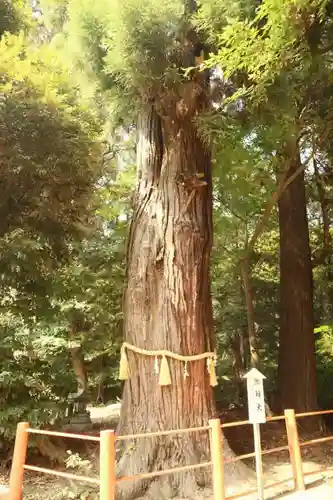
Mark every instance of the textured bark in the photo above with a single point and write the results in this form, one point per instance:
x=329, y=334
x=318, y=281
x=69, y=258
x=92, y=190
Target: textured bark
x=77, y=407
x=78, y=363
x=167, y=303
x=297, y=363
x=252, y=336
x=251, y=326
x=238, y=365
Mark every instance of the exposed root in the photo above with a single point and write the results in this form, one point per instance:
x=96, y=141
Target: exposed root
x=147, y=455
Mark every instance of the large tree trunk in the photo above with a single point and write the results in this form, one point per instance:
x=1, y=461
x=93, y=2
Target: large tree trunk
x=167, y=303
x=297, y=362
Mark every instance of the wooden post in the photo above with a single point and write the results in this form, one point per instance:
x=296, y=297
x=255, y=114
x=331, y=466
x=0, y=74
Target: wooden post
x=19, y=458
x=294, y=450
x=258, y=457
x=107, y=463
x=216, y=448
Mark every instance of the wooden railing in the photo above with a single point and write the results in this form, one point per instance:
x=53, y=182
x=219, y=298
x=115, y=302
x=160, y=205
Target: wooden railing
x=107, y=480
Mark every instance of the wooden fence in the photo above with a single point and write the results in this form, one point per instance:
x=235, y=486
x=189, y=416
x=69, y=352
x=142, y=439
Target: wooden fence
x=107, y=479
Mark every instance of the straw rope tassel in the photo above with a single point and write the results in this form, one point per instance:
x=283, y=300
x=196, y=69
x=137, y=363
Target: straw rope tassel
x=212, y=373
x=165, y=377
x=123, y=368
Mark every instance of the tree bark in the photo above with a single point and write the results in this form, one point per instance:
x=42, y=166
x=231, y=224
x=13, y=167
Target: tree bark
x=238, y=365
x=78, y=362
x=167, y=302
x=79, y=417
x=251, y=325
x=297, y=362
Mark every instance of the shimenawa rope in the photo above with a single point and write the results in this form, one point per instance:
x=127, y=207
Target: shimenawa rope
x=164, y=371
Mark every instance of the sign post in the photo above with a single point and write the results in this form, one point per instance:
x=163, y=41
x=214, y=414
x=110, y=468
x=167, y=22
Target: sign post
x=257, y=416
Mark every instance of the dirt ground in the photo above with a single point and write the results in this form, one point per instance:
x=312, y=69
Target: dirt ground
x=317, y=465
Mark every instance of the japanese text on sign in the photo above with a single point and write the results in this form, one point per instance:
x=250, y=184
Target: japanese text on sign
x=256, y=397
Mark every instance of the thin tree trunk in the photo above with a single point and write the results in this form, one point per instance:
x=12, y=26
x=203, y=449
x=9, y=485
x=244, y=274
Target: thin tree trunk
x=248, y=293
x=167, y=303
x=251, y=325
x=78, y=362
x=237, y=347
x=297, y=362
x=78, y=401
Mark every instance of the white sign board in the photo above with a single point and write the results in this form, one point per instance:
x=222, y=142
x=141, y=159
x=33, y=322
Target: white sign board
x=256, y=396
x=257, y=416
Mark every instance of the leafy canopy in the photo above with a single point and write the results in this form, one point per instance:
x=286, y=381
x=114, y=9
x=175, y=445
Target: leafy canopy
x=49, y=154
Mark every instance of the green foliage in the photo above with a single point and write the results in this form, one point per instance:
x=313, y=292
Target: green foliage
x=51, y=159
x=272, y=60
x=46, y=184
x=145, y=63
x=272, y=41
x=126, y=51
x=54, y=15
x=133, y=59
x=32, y=376
x=36, y=370
x=14, y=16
x=324, y=347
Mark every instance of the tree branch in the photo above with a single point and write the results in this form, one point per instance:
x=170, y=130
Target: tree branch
x=270, y=205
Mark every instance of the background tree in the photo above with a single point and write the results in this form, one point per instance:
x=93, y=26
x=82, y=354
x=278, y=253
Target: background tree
x=50, y=159
x=281, y=71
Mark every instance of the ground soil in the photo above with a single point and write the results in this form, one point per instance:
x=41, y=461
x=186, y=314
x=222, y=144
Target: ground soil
x=316, y=459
